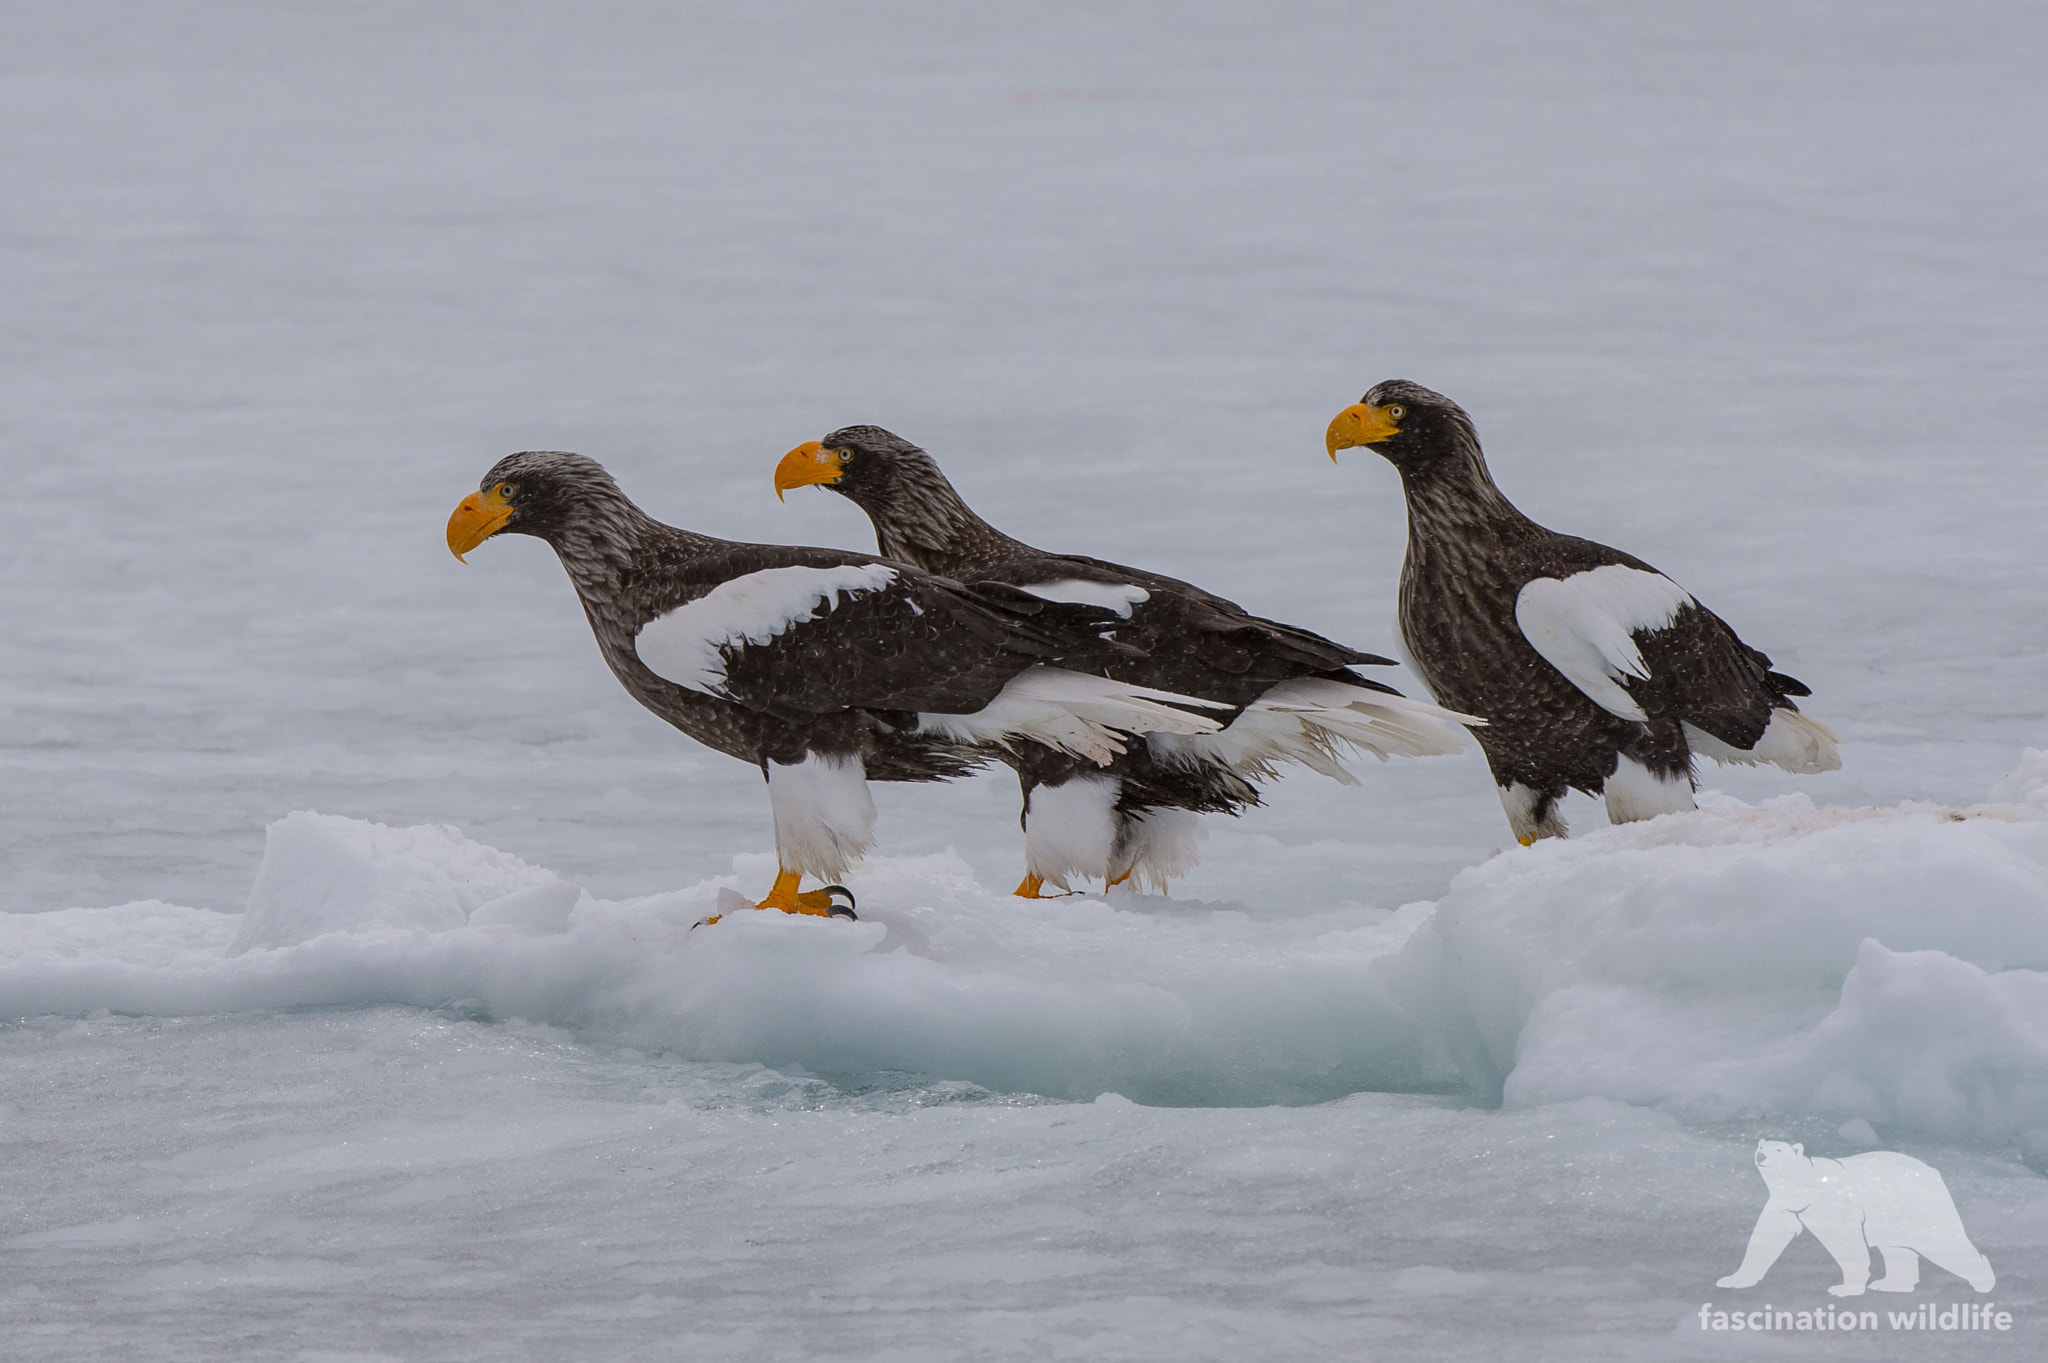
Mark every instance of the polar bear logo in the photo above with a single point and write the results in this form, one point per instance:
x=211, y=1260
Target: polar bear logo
x=1881, y=1200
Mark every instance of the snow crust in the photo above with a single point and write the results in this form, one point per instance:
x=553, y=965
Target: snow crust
x=1875, y=965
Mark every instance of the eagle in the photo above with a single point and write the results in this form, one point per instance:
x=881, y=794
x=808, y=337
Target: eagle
x=823, y=668
x=1290, y=694
x=1593, y=671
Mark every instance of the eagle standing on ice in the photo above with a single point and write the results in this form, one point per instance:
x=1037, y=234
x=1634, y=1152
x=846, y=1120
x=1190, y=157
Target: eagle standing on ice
x=1290, y=694
x=1592, y=669
x=820, y=667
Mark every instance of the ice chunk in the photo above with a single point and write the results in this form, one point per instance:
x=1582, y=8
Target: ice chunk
x=2028, y=782
x=1881, y=967
x=1872, y=964
x=322, y=873
x=1925, y=1042
x=544, y=907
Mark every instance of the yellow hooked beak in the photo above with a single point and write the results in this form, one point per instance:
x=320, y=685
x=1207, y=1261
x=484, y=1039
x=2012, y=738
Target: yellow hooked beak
x=475, y=519
x=808, y=463
x=1359, y=424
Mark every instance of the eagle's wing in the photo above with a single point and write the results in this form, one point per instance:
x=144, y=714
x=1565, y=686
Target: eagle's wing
x=1637, y=644
x=1590, y=625
x=1177, y=620
x=801, y=633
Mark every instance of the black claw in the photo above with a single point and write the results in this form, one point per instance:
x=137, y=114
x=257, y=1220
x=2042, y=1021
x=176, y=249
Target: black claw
x=841, y=910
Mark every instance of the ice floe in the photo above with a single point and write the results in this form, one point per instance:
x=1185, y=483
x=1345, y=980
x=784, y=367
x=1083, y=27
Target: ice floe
x=1881, y=965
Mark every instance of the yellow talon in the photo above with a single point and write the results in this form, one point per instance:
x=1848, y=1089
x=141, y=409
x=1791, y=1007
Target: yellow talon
x=1528, y=840
x=1120, y=879
x=785, y=896
x=1032, y=886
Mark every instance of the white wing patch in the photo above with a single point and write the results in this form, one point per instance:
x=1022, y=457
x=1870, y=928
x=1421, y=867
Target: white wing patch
x=1121, y=597
x=1584, y=626
x=684, y=645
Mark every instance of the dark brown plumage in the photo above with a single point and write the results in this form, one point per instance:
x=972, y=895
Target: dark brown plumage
x=799, y=661
x=1578, y=656
x=1186, y=640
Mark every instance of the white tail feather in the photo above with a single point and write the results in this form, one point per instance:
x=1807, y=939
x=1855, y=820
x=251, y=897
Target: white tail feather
x=1799, y=743
x=1312, y=720
x=1074, y=712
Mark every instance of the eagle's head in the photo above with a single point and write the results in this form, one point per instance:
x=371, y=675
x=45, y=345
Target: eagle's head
x=1406, y=424
x=877, y=469
x=548, y=493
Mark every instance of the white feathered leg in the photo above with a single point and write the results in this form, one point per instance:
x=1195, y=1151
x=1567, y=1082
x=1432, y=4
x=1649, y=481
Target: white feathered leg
x=824, y=816
x=1521, y=804
x=1069, y=829
x=1635, y=792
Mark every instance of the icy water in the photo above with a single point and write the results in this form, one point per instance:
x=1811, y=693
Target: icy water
x=1753, y=291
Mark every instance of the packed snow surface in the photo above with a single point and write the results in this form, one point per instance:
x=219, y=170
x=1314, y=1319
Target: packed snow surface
x=1753, y=291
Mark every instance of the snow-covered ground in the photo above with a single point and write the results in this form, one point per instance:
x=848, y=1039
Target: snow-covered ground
x=1754, y=291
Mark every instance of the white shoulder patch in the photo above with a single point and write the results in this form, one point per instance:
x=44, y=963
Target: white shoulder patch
x=1121, y=597
x=1584, y=626
x=684, y=645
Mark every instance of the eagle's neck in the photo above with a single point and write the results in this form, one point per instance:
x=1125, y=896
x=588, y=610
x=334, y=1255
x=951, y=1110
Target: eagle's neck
x=607, y=547
x=1464, y=539
x=1453, y=498
x=602, y=541
x=920, y=520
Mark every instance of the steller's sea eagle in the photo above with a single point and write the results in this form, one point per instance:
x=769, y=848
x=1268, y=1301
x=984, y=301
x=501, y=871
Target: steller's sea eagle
x=1592, y=670
x=1290, y=694
x=823, y=668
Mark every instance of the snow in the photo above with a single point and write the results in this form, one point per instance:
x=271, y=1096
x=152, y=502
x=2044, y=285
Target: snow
x=1752, y=291
x=690, y=644
x=2026, y=783
x=1777, y=961
x=1633, y=1000
x=322, y=874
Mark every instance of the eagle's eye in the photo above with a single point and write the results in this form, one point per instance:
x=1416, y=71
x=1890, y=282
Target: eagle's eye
x=1397, y=411
x=845, y=456
x=504, y=491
